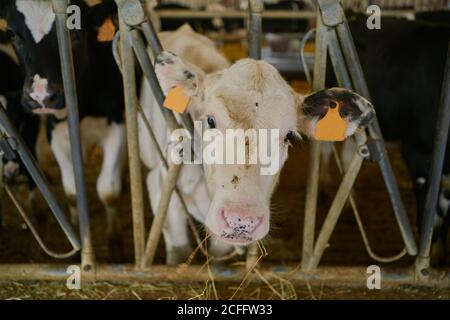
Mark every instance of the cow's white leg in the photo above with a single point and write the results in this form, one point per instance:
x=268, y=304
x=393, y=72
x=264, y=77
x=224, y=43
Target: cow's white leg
x=60, y=145
x=175, y=230
x=109, y=184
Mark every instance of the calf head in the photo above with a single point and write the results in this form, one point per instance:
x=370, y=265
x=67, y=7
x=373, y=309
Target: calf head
x=31, y=28
x=252, y=95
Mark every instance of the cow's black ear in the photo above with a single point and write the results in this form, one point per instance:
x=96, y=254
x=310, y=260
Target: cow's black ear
x=99, y=13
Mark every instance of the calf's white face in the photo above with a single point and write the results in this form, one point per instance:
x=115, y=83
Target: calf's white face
x=251, y=95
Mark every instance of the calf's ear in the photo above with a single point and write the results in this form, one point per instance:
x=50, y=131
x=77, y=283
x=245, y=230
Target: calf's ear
x=356, y=111
x=172, y=72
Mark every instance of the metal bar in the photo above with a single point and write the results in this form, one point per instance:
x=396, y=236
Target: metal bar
x=335, y=210
x=38, y=177
x=256, y=8
x=437, y=164
x=149, y=72
x=120, y=273
x=312, y=187
x=68, y=75
x=146, y=65
x=152, y=37
x=161, y=214
x=2, y=188
x=155, y=44
x=354, y=66
x=135, y=16
x=166, y=166
x=267, y=14
x=137, y=195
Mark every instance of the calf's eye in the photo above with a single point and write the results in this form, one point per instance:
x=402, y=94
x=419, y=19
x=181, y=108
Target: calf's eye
x=211, y=122
x=290, y=137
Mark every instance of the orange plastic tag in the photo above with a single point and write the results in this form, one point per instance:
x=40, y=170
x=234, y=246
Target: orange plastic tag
x=3, y=25
x=331, y=127
x=107, y=31
x=177, y=99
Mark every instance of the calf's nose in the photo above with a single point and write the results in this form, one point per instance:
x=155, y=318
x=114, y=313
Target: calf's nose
x=240, y=226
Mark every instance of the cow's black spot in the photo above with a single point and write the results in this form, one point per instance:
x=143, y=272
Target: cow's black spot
x=159, y=60
x=189, y=75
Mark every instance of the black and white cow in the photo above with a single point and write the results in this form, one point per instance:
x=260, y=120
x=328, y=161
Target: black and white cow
x=27, y=124
x=403, y=63
x=31, y=26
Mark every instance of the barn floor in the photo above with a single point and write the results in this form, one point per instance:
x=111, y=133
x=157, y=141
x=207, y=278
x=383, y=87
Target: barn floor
x=169, y=291
x=283, y=246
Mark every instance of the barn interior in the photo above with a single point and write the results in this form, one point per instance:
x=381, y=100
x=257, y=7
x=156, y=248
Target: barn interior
x=285, y=24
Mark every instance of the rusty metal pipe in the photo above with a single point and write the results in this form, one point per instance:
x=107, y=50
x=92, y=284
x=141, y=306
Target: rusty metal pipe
x=348, y=276
x=160, y=214
x=335, y=210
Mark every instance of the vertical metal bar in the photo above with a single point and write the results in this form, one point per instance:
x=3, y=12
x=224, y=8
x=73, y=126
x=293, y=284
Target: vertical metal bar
x=256, y=8
x=68, y=75
x=137, y=196
x=335, y=210
x=312, y=187
x=38, y=177
x=2, y=189
x=354, y=66
x=161, y=214
x=437, y=164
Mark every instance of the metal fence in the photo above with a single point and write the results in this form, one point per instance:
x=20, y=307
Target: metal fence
x=136, y=34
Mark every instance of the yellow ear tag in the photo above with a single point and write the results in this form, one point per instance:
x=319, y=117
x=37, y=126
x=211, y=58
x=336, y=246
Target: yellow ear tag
x=331, y=127
x=107, y=31
x=177, y=99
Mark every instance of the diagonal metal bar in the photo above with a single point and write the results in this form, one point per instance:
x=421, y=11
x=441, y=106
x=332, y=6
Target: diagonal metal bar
x=160, y=215
x=355, y=70
x=13, y=137
x=132, y=15
x=335, y=210
x=440, y=145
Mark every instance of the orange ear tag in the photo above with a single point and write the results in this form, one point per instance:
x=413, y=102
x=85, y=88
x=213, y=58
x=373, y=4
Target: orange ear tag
x=331, y=127
x=107, y=31
x=177, y=99
x=3, y=25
